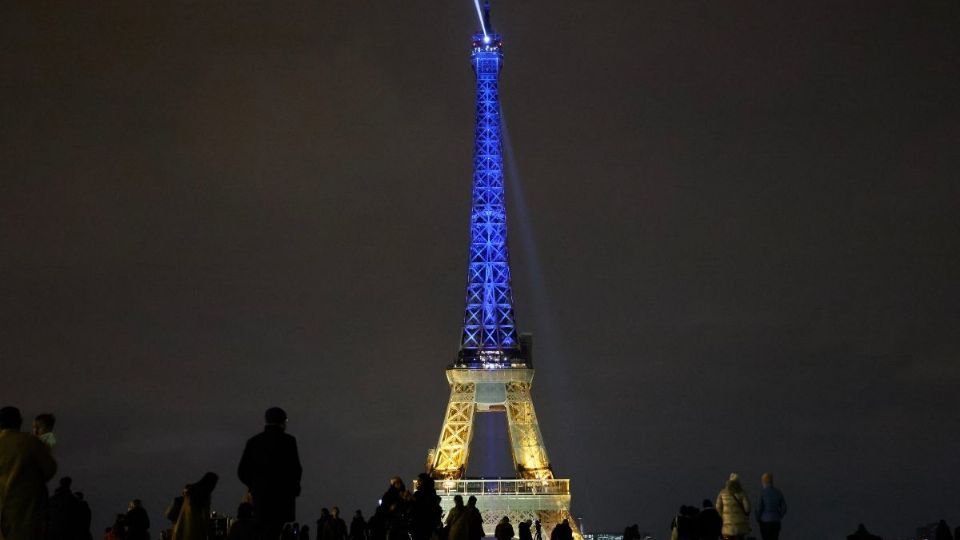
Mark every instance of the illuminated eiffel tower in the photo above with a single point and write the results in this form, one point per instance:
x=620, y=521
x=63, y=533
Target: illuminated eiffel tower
x=494, y=370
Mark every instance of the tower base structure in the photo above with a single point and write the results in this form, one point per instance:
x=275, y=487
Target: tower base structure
x=545, y=500
x=534, y=494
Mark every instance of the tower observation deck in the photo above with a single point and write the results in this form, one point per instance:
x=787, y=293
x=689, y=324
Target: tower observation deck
x=494, y=370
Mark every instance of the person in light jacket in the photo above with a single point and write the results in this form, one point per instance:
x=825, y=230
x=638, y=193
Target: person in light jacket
x=734, y=507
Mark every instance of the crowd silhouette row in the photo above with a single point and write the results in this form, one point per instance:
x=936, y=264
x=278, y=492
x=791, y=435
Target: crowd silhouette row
x=270, y=469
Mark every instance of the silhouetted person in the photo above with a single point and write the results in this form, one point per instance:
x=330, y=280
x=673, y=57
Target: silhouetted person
x=504, y=530
x=734, y=507
x=138, y=522
x=562, y=531
x=322, y=522
x=523, y=530
x=474, y=520
x=426, y=510
x=334, y=528
x=942, y=532
x=391, y=514
x=862, y=534
x=270, y=468
x=287, y=533
x=243, y=528
x=194, y=520
x=684, y=526
x=771, y=507
x=538, y=530
x=358, y=527
x=119, y=529
x=84, y=518
x=304, y=533
x=63, y=512
x=709, y=522
x=25, y=468
x=458, y=520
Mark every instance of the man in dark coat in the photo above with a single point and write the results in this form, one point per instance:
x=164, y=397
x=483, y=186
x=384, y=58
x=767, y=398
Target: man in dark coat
x=426, y=509
x=709, y=522
x=358, y=527
x=475, y=519
x=270, y=468
x=63, y=513
x=138, y=521
x=84, y=518
x=562, y=531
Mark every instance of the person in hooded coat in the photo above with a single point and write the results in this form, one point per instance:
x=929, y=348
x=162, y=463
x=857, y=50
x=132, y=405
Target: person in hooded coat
x=733, y=504
x=194, y=520
x=25, y=468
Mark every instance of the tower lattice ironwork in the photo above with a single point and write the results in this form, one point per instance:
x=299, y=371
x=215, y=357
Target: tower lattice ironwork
x=494, y=371
x=489, y=329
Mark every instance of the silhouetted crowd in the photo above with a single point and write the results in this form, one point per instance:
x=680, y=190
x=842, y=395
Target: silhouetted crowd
x=270, y=469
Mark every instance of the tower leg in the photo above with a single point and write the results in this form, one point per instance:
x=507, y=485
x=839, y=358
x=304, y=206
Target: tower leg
x=450, y=456
x=529, y=453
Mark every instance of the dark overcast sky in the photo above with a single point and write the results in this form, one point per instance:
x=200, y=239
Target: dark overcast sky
x=738, y=246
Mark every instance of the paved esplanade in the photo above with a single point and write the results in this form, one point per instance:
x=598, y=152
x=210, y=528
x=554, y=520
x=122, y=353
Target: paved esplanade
x=494, y=369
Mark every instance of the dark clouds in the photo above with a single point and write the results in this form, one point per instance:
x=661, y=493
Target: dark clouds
x=744, y=217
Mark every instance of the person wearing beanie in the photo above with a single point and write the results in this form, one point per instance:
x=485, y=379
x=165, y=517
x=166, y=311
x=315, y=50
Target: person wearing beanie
x=733, y=504
x=270, y=468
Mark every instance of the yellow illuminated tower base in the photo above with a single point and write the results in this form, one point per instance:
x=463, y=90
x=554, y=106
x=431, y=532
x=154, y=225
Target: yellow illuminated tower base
x=535, y=494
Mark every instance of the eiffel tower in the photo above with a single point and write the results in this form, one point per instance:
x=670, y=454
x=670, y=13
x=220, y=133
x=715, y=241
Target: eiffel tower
x=494, y=369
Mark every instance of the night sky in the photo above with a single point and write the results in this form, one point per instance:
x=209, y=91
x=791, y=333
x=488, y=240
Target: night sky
x=737, y=245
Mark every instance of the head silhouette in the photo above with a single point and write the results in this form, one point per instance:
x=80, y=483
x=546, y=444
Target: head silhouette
x=275, y=416
x=10, y=418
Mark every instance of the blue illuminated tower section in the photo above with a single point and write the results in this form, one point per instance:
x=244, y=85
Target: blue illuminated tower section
x=489, y=329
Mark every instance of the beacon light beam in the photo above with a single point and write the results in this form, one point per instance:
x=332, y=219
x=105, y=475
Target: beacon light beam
x=482, y=15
